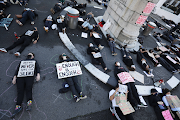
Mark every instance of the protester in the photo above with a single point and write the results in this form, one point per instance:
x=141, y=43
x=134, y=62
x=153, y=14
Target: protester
x=27, y=14
x=73, y=81
x=115, y=108
x=97, y=60
x=173, y=111
x=48, y=23
x=87, y=26
x=23, y=2
x=111, y=43
x=156, y=102
x=97, y=39
x=89, y=16
x=23, y=40
x=61, y=24
x=2, y=14
x=57, y=8
x=25, y=83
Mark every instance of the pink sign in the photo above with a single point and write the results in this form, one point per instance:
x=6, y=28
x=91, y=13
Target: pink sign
x=149, y=7
x=167, y=115
x=141, y=19
x=125, y=77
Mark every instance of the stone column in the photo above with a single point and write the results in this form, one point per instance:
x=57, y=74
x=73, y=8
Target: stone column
x=123, y=15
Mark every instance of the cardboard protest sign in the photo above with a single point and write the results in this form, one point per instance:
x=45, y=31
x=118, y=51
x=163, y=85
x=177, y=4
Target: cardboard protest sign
x=107, y=25
x=173, y=101
x=96, y=35
x=162, y=48
x=178, y=114
x=122, y=88
x=137, y=76
x=149, y=7
x=167, y=115
x=126, y=108
x=26, y=68
x=125, y=77
x=141, y=19
x=68, y=69
x=97, y=55
x=120, y=98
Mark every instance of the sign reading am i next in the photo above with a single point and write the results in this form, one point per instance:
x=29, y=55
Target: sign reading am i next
x=26, y=68
x=68, y=69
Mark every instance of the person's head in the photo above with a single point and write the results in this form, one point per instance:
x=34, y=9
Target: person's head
x=166, y=91
x=117, y=64
x=107, y=35
x=151, y=51
x=154, y=91
x=35, y=29
x=30, y=56
x=91, y=45
x=49, y=17
x=63, y=57
x=132, y=68
x=111, y=39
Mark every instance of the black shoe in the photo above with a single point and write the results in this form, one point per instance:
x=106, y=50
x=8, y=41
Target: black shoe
x=108, y=70
x=16, y=111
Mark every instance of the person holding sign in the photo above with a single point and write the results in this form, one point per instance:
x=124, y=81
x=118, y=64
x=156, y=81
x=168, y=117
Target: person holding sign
x=96, y=57
x=123, y=77
x=171, y=107
x=73, y=81
x=24, y=78
x=30, y=36
x=115, y=106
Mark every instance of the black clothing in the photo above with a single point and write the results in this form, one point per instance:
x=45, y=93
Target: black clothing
x=128, y=61
x=139, y=58
x=121, y=116
x=118, y=70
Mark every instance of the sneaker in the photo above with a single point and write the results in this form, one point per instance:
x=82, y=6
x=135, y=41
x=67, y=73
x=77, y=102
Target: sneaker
x=32, y=22
x=112, y=111
x=3, y=50
x=175, y=72
x=29, y=105
x=16, y=111
x=101, y=47
x=135, y=107
x=82, y=96
x=115, y=53
x=20, y=4
x=142, y=105
x=76, y=99
x=52, y=10
x=17, y=54
x=108, y=70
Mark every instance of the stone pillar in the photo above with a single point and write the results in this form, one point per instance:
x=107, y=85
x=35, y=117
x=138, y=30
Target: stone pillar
x=123, y=15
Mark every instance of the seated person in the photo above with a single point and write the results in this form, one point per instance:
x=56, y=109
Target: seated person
x=61, y=24
x=132, y=95
x=156, y=102
x=127, y=59
x=115, y=108
x=57, y=8
x=48, y=23
x=111, y=43
x=165, y=64
x=26, y=14
x=142, y=62
x=150, y=55
x=97, y=60
x=96, y=39
x=173, y=111
x=73, y=81
x=25, y=83
x=23, y=2
x=30, y=36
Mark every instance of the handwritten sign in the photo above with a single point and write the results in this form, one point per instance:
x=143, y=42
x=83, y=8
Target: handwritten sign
x=26, y=68
x=173, y=101
x=120, y=98
x=97, y=55
x=166, y=114
x=126, y=108
x=107, y=25
x=125, y=77
x=122, y=88
x=141, y=19
x=149, y=7
x=68, y=69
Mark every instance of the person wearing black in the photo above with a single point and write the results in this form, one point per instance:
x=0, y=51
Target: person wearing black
x=61, y=24
x=24, y=40
x=73, y=81
x=48, y=21
x=132, y=94
x=156, y=102
x=165, y=64
x=96, y=60
x=57, y=7
x=96, y=40
x=25, y=83
x=142, y=62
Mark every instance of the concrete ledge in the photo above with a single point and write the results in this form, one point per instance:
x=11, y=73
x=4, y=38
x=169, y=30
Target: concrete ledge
x=91, y=68
x=146, y=90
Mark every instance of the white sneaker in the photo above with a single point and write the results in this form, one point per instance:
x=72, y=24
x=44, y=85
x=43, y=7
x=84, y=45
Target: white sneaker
x=32, y=22
x=17, y=54
x=101, y=47
x=3, y=50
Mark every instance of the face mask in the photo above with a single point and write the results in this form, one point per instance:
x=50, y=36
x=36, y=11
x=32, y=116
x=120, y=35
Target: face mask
x=90, y=45
x=156, y=94
x=118, y=64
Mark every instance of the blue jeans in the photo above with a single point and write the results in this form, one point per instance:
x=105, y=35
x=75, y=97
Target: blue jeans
x=112, y=46
x=27, y=15
x=23, y=1
x=48, y=24
x=86, y=24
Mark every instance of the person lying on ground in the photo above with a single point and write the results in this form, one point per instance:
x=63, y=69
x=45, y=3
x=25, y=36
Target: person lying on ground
x=25, y=83
x=27, y=14
x=48, y=21
x=165, y=64
x=115, y=108
x=156, y=102
x=2, y=14
x=30, y=36
x=173, y=49
x=57, y=8
x=111, y=43
x=23, y=2
x=96, y=57
x=61, y=24
x=4, y=4
x=89, y=16
x=97, y=39
x=133, y=96
x=73, y=81
x=160, y=36
x=150, y=55
x=87, y=26
x=173, y=111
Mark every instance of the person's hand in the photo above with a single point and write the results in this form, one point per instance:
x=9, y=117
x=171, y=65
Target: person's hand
x=93, y=52
x=160, y=102
x=18, y=38
x=117, y=89
x=119, y=81
x=14, y=80
x=127, y=91
x=38, y=77
x=35, y=42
